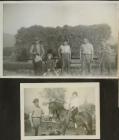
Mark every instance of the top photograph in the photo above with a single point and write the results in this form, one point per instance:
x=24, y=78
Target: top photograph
x=59, y=39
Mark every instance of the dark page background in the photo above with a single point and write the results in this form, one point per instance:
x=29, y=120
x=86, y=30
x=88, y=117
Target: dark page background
x=10, y=106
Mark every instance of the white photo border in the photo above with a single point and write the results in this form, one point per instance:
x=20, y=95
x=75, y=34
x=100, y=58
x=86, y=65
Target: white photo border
x=53, y=2
x=94, y=85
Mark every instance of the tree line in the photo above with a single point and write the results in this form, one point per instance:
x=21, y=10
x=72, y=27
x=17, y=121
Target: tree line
x=53, y=37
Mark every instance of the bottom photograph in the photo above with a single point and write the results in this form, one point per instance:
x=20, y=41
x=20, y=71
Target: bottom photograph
x=60, y=110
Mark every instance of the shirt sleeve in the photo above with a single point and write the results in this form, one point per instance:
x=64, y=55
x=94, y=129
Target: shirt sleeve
x=42, y=112
x=31, y=49
x=43, y=51
x=69, y=49
x=59, y=50
x=92, y=50
x=81, y=51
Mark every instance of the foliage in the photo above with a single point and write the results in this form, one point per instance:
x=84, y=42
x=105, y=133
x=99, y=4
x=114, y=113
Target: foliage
x=90, y=108
x=55, y=94
x=56, y=99
x=53, y=37
x=7, y=51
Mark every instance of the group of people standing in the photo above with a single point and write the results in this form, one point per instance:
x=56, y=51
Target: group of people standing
x=54, y=66
x=62, y=65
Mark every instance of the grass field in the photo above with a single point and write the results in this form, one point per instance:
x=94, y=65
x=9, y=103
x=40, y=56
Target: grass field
x=15, y=68
x=43, y=130
x=74, y=131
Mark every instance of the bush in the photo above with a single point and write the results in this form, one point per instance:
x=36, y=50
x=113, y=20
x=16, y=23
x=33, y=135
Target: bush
x=53, y=38
x=7, y=51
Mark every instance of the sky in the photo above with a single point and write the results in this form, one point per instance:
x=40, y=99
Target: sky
x=30, y=94
x=58, y=14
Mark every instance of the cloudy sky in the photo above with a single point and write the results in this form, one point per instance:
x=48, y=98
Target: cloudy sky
x=58, y=14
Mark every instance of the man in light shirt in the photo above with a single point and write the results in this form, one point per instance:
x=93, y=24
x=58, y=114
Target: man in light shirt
x=64, y=52
x=36, y=116
x=87, y=52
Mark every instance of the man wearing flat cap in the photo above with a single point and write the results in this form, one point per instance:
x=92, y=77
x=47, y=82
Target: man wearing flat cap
x=37, y=52
x=36, y=116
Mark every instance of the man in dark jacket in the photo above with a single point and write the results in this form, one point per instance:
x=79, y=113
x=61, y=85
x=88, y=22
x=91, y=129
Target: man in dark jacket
x=37, y=51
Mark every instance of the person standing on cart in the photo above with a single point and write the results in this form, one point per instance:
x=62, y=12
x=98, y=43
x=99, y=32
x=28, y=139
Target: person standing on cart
x=36, y=117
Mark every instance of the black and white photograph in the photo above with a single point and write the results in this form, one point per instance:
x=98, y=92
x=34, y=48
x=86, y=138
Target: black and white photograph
x=60, y=39
x=60, y=111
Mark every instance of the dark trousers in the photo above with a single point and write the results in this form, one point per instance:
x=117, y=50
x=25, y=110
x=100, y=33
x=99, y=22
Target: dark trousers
x=37, y=127
x=36, y=131
x=73, y=113
x=65, y=62
x=37, y=66
x=86, y=63
x=105, y=66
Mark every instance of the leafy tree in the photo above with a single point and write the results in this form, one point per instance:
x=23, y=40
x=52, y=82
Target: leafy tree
x=55, y=94
x=53, y=37
x=56, y=99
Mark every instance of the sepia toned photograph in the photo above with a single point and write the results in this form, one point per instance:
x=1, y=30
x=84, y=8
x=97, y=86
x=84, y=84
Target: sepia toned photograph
x=60, y=39
x=60, y=110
